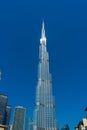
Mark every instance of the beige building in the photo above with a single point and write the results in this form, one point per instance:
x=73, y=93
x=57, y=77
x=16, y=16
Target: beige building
x=82, y=125
x=3, y=127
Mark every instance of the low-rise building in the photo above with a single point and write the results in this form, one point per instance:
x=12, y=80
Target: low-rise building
x=82, y=125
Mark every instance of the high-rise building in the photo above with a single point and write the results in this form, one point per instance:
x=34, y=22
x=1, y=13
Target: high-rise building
x=19, y=117
x=5, y=112
x=3, y=104
x=44, y=113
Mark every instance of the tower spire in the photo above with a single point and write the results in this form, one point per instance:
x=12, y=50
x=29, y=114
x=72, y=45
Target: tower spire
x=43, y=37
x=43, y=30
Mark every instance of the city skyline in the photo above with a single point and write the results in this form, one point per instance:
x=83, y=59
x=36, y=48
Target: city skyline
x=66, y=31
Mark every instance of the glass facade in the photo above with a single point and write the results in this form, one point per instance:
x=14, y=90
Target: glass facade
x=19, y=116
x=44, y=113
x=29, y=124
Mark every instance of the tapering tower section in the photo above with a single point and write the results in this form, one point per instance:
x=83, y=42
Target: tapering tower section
x=44, y=113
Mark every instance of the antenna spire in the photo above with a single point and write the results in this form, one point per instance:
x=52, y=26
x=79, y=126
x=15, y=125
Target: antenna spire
x=43, y=37
x=43, y=30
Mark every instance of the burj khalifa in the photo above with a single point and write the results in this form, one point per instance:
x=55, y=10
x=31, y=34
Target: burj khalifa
x=44, y=117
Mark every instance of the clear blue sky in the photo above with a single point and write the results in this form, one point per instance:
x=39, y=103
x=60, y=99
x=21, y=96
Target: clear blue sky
x=66, y=31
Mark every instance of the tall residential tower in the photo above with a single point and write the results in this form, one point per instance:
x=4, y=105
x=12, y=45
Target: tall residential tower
x=44, y=113
x=19, y=117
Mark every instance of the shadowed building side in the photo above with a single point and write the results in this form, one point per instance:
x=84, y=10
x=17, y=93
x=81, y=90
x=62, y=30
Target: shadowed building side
x=5, y=113
x=3, y=104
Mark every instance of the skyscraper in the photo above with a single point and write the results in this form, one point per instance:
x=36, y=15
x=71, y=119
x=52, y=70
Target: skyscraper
x=19, y=116
x=44, y=113
x=5, y=112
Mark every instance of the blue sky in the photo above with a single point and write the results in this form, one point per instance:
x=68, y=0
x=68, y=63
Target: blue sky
x=66, y=32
